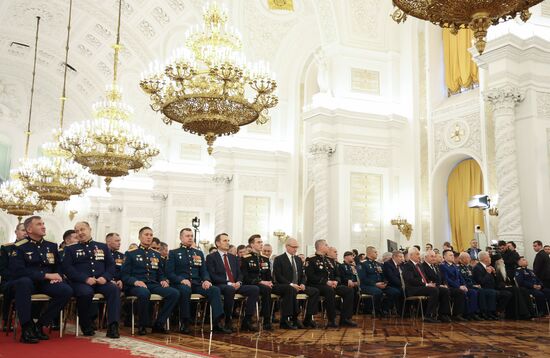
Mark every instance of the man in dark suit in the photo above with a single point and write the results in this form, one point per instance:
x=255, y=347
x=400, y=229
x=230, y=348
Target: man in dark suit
x=225, y=273
x=433, y=274
x=417, y=284
x=391, y=270
x=541, y=265
x=495, y=300
x=288, y=270
x=473, y=250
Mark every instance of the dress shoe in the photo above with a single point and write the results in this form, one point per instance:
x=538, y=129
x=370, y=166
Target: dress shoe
x=310, y=323
x=347, y=323
x=431, y=320
x=27, y=335
x=298, y=324
x=184, y=328
x=475, y=317
x=274, y=320
x=142, y=331
x=55, y=326
x=218, y=328
x=285, y=324
x=445, y=319
x=267, y=326
x=459, y=318
x=331, y=324
x=247, y=325
x=112, y=330
x=38, y=333
x=157, y=328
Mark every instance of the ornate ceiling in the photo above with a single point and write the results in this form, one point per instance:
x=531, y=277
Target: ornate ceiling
x=150, y=30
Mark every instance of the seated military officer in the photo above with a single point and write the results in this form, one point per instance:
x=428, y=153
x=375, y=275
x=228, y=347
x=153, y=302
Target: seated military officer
x=348, y=274
x=5, y=276
x=35, y=267
x=142, y=275
x=186, y=270
x=321, y=273
x=373, y=283
x=90, y=268
x=113, y=243
x=527, y=279
x=256, y=270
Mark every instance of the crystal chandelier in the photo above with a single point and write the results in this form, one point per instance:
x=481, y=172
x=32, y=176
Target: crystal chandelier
x=55, y=177
x=109, y=145
x=15, y=199
x=476, y=15
x=204, y=85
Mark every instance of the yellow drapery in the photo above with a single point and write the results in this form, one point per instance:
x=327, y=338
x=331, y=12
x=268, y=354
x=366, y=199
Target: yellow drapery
x=464, y=181
x=460, y=70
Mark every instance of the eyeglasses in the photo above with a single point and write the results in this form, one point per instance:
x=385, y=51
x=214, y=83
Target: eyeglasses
x=293, y=247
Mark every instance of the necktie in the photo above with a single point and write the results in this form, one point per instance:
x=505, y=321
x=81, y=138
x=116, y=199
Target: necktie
x=228, y=269
x=421, y=274
x=294, y=271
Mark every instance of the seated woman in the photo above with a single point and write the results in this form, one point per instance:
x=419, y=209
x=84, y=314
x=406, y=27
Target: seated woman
x=519, y=307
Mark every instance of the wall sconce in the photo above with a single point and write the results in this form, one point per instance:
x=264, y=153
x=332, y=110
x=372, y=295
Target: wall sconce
x=72, y=214
x=493, y=211
x=281, y=235
x=403, y=226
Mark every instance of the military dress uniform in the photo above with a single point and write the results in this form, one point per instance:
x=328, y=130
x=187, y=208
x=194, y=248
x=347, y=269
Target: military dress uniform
x=319, y=270
x=347, y=273
x=5, y=277
x=143, y=264
x=187, y=263
x=527, y=279
x=370, y=273
x=256, y=268
x=118, y=258
x=486, y=299
x=29, y=263
x=81, y=261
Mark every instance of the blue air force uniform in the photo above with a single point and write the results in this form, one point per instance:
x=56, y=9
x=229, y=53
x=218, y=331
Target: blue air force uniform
x=527, y=279
x=187, y=263
x=144, y=264
x=29, y=263
x=91, y=259
x=370, y=273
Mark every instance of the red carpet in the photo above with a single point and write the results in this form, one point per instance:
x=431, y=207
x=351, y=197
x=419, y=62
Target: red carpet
x=68, y=346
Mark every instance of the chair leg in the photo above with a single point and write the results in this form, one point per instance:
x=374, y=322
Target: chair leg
x=77, y=324
x=61, y=323
x=133, y=318
x=421, y=309
x=211, y=318
x=15, y=327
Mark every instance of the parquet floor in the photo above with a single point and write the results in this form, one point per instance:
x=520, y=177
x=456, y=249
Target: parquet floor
x=378, y=338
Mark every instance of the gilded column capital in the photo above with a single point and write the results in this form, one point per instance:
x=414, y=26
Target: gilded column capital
x=505, y=97
x=322, y=149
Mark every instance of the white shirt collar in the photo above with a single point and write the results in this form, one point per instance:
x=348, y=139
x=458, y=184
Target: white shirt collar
x=289, y=256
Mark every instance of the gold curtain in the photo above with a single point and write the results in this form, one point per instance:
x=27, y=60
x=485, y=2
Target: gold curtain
x=464, y=181
x=460, y=70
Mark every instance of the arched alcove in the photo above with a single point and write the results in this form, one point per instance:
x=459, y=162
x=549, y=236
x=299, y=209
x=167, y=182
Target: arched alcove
x=441, y=229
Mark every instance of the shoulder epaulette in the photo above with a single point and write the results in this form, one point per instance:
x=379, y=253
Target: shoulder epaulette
x=21, y=242
x=154, y=250
x=246, y=256
x=74, y=243
x=8, y=244
x=267, y=257
x=132, y=249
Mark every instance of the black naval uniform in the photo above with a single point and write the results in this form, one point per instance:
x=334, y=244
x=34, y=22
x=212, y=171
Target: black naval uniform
x=118, y=258
x=256, y=268
x=5, y=278
x=81, y=261
x=29, y=264
x=319, y=270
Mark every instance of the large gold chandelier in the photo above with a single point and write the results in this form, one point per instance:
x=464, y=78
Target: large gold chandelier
x=204, y=85
x=15, y=199
x=476, y=15
x=109, y=145
x=55, y=177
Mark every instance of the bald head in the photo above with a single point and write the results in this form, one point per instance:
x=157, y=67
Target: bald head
x=414, y=254
x=464, y=258
x=332, y=253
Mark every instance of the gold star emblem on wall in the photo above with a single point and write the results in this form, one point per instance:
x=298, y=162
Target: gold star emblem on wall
x=287, y=5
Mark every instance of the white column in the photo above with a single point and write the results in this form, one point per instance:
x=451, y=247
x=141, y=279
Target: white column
x=320, y=153
x=504, y=101
x=222, y=183
x=159, y=215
